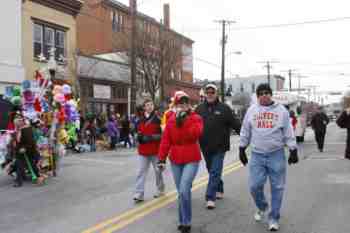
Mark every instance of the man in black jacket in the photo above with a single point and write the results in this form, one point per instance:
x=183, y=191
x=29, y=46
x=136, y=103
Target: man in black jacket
x=319, y=124
x=218, y=122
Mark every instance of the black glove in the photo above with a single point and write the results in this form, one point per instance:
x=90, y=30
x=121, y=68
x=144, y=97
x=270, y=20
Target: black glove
x=180, y=118
x=243, y=156
x=161, y=165
x=293, y=157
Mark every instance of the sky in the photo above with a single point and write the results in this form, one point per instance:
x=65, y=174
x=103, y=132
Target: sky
x=320, y=51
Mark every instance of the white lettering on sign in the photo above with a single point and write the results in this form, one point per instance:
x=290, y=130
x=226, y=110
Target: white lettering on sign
x=102, y=91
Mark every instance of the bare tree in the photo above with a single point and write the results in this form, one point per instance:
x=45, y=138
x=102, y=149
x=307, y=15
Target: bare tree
x=159, y=56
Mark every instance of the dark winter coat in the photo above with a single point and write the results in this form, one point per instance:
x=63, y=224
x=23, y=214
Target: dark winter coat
x=319, y=122
x=344, y=122
x=150, y=127
x=182, y=143
x=218, y=121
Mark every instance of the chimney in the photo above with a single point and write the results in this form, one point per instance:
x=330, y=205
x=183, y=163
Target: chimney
x=166, y=12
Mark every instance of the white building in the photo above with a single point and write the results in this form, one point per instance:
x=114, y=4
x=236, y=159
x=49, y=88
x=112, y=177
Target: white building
x=249, y=84
x=11, y=68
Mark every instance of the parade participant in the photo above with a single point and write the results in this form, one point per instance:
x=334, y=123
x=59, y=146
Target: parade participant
x=180, y=141
x=344, y=122
x=25, y=146
x=149, y=134
x=267, y=128
x=218, y=122
x=319, y=124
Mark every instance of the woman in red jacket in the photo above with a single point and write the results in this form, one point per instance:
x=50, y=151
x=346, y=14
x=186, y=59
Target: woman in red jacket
x=180, y=141
x=148, y=135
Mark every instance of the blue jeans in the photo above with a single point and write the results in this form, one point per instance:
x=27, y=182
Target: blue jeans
x=273, y=166
x=145, y=161
x=214, y=163
x=184, y=175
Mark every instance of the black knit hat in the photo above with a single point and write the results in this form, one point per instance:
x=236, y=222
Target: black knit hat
x=263, y=87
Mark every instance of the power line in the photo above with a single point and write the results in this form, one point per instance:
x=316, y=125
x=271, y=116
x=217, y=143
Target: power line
x=305, y=22
x=295, y=24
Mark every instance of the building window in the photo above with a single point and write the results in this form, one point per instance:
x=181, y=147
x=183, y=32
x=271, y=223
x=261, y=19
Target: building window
x=47, y=37
x=253, y=87
x=117, y=21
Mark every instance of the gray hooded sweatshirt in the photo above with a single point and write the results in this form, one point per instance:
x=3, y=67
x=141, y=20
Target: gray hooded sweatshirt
x=267, y=129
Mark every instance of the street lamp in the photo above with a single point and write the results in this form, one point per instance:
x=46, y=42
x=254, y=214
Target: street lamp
x=237, y=52
x=52, y=64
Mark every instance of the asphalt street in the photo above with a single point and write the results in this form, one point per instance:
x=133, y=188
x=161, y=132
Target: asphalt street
x=93, y=193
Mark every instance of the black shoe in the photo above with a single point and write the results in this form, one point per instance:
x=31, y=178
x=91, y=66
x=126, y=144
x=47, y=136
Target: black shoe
x=17, y=185
x=185, y=229
x=321, y=150
x=179, y=227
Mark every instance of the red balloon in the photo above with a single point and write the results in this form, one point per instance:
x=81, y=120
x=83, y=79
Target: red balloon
x=37, y=105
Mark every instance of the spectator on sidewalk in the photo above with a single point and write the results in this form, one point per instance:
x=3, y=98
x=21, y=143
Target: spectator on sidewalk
x=180, y=141
x=125, y=131
x=149, y=135
x=344, y=122
x=218, y=120
x=319, y=124
x=267, y=128
x=113, y=131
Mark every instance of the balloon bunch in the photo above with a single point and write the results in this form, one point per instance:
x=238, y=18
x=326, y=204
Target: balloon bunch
x=67, y=107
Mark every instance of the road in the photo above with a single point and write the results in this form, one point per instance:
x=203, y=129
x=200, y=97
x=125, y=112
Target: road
x=93, y=193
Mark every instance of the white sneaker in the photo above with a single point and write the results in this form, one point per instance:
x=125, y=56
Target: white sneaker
x=274, y=226
x=219, y=195
x=210, y=205
x=259, y=215
x=159, y=194
x=138, y=198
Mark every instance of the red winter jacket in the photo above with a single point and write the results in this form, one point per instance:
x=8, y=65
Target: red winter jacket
x=147, y=127
x=182, y=144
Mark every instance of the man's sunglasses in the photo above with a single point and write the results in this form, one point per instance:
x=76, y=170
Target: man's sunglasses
x=210, y=92
x=264, y=93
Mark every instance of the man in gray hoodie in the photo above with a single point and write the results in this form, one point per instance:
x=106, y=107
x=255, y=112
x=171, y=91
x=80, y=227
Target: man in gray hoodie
x=267, y=128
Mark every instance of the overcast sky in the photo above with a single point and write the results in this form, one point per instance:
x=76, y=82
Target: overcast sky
x=303, y=47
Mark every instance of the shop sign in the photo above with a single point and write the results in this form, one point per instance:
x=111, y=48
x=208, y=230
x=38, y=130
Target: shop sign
x=102, y=91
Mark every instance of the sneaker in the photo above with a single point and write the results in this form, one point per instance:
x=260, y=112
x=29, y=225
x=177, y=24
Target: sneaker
x=273, y=226
x=159, y=194
x=259, y=215
x=137, y=198
x=219, y=195
x=210, y=205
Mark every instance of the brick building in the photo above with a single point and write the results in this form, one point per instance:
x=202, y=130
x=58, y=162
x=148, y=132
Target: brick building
x=104, y=28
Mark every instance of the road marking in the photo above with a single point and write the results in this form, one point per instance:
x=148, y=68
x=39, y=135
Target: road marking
x=122, y=220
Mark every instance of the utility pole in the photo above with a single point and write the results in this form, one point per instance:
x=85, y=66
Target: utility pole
x=133, y=10
x=299, y=82
x=290, y=73
x=268, y=67
x=223, y=47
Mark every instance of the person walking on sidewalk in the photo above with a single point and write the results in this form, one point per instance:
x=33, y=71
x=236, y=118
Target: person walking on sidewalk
x=218, y=120
x=319, y=124
x=149, y=135
x=344, y=122
x=113, y=131
x=267, y=129
x=180, y=141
